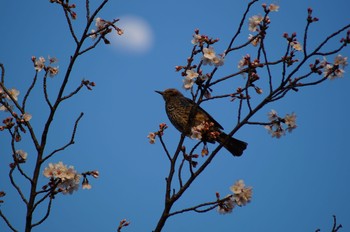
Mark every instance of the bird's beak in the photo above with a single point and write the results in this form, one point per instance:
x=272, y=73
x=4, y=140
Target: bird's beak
x=160, y=92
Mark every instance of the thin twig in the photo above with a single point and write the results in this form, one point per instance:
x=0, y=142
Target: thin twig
x=87, y=6
x=258, y=123
x=213, y=205
x=71, y=142
x=217, y=97
x=8, y=223
x=74, y=92
x=240, y=26
x=29, y=90
x=2, y=73
x=46, y=95
x=48, y=194
x=17, y=187
x=305, y=36
x=247, y=94
x=164, y=147
x=180, y=170
x=23, y=173
x=267, y=64
x=227, y=77
x=330, y=37
x=70, y=24
x=91, y=47
x=335, y=226
x=46, y=215
x=331, y=52
x=191, y=153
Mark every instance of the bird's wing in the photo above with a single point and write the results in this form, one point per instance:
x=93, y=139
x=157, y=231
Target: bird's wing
x=204, y=115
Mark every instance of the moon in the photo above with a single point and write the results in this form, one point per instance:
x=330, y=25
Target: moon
x=137, y=37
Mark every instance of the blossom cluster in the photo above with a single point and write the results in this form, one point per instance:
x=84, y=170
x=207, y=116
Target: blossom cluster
x=12, y=94
x=258, y=23
x=336, y=69
x=86, y=184
x=293, y=42
x=190, y=78
x=20, y=156
x=152, y=135
x=276, y=125
x=203, y=46
x=67, y=7
x=240, y=197
x=205, y=129
x=6, y=96
x=103, y=28
x=248, y=66
x=210, y=57
x=66, y=179
x=39, y=64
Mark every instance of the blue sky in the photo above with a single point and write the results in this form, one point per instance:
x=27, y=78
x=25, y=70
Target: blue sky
x=299, y=181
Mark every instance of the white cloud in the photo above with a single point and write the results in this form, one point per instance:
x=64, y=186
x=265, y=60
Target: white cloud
x=137, y=37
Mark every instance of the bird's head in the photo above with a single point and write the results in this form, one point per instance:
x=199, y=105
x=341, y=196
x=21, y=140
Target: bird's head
x=169, y=93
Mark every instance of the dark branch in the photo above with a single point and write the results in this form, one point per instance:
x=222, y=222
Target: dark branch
x=2, y=73
x=71, y=142
x=46, y=215
x=164, y=147
x=8, y=223
x=29, y=90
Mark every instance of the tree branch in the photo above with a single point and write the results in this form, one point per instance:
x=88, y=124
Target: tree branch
x=29, y=90
x=8, y=223
x=71, y=142
x=46, y=215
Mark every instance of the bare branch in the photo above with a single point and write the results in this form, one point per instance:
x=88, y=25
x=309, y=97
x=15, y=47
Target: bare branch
x=331, y=52
x=240, y=26
x=69, y=22
x=71, y=142
x=29, y=90
x=74, y=92
x=91, y=47
x=258, y=123
x=17, y=187
x=217, y=97
x=8, y=223
x=335, y=226
x=180, y=170
x=197, y=209
x=305, y=37
x=87, y=7
x=46, y=93
x=2, y=73
x=48, y=194
x=330, y=37
x=267, y=64
x=48, y=210
x=227, y=77
x=23, y=173
x=164, y=147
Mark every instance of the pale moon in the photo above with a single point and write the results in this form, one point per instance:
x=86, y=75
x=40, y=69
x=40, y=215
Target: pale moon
x=137, y=37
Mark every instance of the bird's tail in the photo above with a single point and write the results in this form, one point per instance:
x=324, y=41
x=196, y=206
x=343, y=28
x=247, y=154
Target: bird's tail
x=234, y=146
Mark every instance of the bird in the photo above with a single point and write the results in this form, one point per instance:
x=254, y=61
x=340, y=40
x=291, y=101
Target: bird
x=186, y=115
